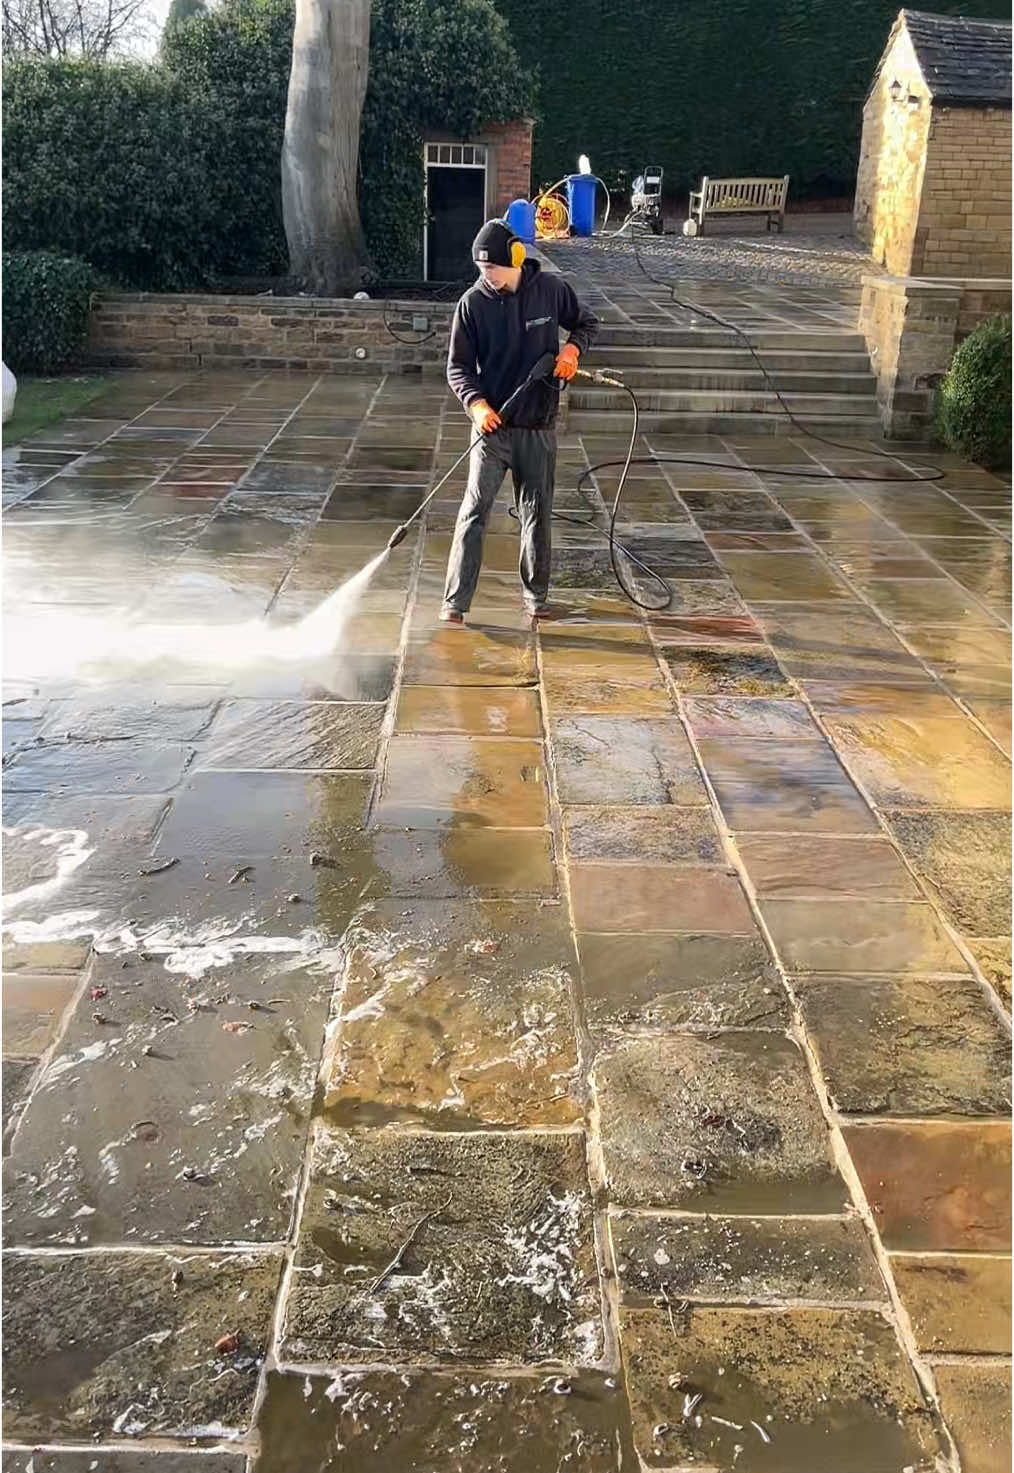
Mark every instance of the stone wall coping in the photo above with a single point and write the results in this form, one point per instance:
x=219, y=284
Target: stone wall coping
x=916, y=285
x=215, y=302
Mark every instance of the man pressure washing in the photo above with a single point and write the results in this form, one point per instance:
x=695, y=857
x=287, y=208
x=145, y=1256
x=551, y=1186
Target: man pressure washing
x=504, y=326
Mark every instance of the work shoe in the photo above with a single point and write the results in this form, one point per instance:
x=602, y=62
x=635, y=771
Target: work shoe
x=451, y=616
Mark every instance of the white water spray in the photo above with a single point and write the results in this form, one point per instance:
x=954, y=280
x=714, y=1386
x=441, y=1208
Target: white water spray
x=62, y=643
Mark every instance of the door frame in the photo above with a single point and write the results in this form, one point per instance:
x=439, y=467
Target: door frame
x=451, y=156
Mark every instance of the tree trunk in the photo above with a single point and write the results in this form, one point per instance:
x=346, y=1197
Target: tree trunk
x=320, y=152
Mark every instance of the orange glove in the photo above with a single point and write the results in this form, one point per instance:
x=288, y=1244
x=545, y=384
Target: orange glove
x=485, y=417
x=566, y=364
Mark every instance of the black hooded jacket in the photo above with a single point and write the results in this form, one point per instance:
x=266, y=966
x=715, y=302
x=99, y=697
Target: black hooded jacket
x=497, y=338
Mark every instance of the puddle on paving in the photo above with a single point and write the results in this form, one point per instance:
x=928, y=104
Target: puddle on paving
x=727, y=1124
x=775, y=1392
x=455, y=1015
x=261, y=814
x=466, y=861
x=975, y=1400
x=498, y=1263
x=386, y=1422
x=743, y=1258
x=148, y=1365
x=958, y=1304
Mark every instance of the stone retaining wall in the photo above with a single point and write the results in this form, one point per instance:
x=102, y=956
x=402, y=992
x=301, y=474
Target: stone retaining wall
x=912, y=327
x=143, y=330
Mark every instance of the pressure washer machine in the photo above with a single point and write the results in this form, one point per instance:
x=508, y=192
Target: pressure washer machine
x=646, y=199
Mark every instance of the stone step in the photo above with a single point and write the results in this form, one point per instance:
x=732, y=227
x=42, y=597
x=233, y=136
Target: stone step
x=722, y=422
x=831, y=340
x=720, y=401
x=794, y=361
x=654, y=380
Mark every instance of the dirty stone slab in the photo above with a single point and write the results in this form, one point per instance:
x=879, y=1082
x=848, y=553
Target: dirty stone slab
x=658, y=897
x=959, y=1303
x=487, y=656
x=498, y=1263
x=382, y=1421
x=763, y=786
x=73, y=768
x=965, y=858
x=174, y=713
x=993, y=954
x=688, y=981
x=32, y=1009
x=703, y=670
x=660, y=835
x=940, y=1188
x=861, y=936
x=447, y=782
x=262, y=814
x=975, y=1400
x=571, y=695
x=907, y=1045
x=294, y=734
x=921, y=762
x=112, y=1460
x=456, y=1015
x=148, y=1364
x=476, y=862
x=781, y=1391
x=823, y=866
x=468, y=711
x=839, y=642
x=713, y=1124
x=743, y=1259
x=757, y=717
x=604, y=759
x=120, y=1145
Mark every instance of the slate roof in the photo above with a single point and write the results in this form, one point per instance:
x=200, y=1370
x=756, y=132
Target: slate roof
x=964, y=62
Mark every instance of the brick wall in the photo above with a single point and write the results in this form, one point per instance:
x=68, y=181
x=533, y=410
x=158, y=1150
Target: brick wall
x=513, y=162
x=135, y=329
x=891, y=157
x=965, y=212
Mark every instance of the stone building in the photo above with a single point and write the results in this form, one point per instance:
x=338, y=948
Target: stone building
x=933, y=194
x=468, y=181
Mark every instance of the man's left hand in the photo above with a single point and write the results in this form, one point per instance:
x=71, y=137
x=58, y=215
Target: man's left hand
x=566, y=364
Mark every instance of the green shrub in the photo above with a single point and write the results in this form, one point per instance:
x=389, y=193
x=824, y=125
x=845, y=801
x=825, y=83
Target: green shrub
x=973, y=407
x=45, y=310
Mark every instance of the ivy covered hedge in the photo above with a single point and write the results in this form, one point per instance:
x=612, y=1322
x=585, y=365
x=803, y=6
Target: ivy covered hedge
x=45, y=316
x=715, y=87
x=168, y=176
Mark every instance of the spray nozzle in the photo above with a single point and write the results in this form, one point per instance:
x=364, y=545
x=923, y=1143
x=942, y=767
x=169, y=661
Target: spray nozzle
x=398, y=535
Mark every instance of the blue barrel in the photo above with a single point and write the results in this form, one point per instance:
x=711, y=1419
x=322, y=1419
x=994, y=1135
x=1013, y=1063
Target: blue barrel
x=521, y=219
x=581, y=202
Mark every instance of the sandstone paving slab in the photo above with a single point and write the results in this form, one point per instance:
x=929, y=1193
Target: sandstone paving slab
x=861, y=936
x=846, y=642
x=762, y=786
x=971, y=662
x=718, y=670
x=110, y=1460
x=379, y=1421
x=757, y=717
x=686, y=981
x=959, y=1303
x=456, y=1014
x=907, y=1045
x=571, y=695
x=173, y=713
x=468, y=711
x=445, y=782
x=713, y=1124
x=124, y=1345
x=822, y=866
x=788, y=577
x=603, y=759
x=711, y=596
x=993, y=954
x=32, y=1009
x=341, y=676
x=16, y=1084
x=500, y=1264
x=780, y=1391
x=966, y=860
x=293, y=734
x=73, y=768
x=181, y=1116
x=659, y=835
x=263, y=814
x=942, y=1188
x=471, y=656
x=743, y=1259
x=975, y=1400
x=921, y=762
x=925, y=601
x=477, y=862
x=658, y=897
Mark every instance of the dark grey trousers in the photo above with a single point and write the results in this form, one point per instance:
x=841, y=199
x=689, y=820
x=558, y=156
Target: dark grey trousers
x=530, y=456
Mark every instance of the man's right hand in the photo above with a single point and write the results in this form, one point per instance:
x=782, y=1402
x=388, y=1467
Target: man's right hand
x=485, y=417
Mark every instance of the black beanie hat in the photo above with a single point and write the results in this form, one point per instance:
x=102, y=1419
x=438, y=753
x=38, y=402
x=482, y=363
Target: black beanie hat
x=492, y=246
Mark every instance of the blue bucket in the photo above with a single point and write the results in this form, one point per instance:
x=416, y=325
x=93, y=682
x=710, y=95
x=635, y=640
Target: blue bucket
x=581, y=202
x=521, y=219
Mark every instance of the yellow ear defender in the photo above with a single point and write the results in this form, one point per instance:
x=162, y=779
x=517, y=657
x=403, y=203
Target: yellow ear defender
x=518, y=253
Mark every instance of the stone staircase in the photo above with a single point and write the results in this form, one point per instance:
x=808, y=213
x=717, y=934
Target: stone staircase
x=704, y=381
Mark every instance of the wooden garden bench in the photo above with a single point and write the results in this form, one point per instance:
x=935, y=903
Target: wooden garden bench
x=737, y=197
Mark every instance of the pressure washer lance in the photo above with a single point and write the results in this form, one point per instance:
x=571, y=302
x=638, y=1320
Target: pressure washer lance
x=542, y=369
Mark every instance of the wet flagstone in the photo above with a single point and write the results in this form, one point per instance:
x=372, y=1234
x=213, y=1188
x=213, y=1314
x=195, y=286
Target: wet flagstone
x=846, y=642
x=470, y=657
x=993, y=953
x=444, y=782
x=966, y=860
x=135, y=1460
x=657, y=835
x=260, y=814
x=921, y=762
x=937, y=1188
x=656, y=897
x=502, y=1267
x=861, y=936
x=468, y=711
x=705, y=981
x=435, y=1423
x=32, y=1009
x=959, y=1304
x=726, y=1124
x=780, y=1392
x=455, y=1015
x=177, y=713
x=480, y=862
x=907, y=1046
x=733, y=716
x=105, y=767
x=743, y=1259
x=766, y=786
x=602, y=759
x=976, y=1404
x=148, y=1364
x=719, y=671
x=822, y=866
x=112, y=1131
x=293, y=734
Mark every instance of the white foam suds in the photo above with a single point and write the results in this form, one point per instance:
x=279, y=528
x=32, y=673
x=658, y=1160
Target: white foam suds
x=72, y=851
